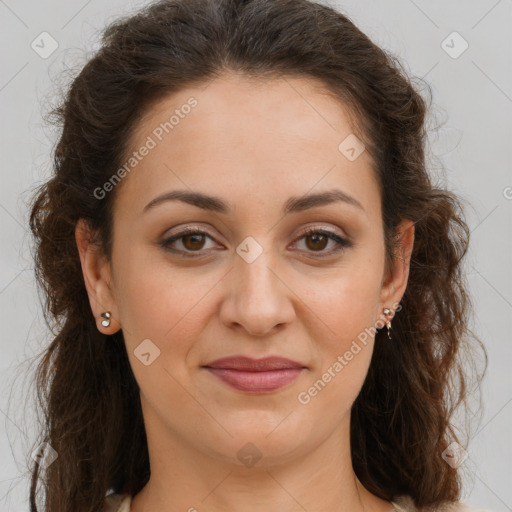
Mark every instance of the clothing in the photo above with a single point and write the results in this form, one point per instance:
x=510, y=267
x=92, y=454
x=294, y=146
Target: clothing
x=121, y=503
x=117, y=503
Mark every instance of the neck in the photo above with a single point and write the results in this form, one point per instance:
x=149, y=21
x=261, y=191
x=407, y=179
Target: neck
x=184, y=478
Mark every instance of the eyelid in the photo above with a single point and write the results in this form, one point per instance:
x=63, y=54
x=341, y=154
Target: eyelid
x=180, y=233
x=319, y=227
x=342, y=241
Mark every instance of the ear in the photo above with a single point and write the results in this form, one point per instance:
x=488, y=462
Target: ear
x=395, y=283
x=97, y=277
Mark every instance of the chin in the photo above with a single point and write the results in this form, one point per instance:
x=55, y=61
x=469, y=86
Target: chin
x=253, y=445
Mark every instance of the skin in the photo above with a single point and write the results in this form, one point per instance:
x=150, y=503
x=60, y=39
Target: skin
x=254, y=145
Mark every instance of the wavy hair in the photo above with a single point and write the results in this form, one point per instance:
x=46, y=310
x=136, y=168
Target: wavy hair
x=401, y=420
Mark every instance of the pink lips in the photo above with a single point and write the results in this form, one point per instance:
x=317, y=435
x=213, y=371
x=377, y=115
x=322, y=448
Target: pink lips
x=255, y=375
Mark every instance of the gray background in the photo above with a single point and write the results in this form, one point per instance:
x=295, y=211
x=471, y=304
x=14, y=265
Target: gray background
x=473, y=104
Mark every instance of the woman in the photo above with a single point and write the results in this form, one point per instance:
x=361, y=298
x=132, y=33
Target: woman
x=258, y=289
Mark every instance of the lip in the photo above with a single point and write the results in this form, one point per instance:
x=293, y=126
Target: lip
x=249, y=364
x=255, y=375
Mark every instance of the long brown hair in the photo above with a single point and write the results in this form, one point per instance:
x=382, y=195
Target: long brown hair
x=401, y=420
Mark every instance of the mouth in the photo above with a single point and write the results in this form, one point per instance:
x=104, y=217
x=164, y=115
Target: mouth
x=255, y=375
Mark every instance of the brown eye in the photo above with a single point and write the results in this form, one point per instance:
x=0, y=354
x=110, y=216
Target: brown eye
x=193, y=242
x=318, y=241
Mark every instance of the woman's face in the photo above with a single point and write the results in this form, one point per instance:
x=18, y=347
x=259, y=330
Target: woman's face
x=252, y=283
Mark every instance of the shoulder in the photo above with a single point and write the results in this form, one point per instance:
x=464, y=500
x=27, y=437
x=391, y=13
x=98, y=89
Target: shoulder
x=405, y=503
x=117, y=503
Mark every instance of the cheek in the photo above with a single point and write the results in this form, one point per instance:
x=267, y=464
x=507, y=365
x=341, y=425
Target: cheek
x=345, y=349
x=159, y=301
x=344, y=338
x=162, y=305
x=354, y=308
x=345, y=304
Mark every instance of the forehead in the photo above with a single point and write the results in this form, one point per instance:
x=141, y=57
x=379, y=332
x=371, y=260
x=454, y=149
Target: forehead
x=233, y=106
x=270, y=137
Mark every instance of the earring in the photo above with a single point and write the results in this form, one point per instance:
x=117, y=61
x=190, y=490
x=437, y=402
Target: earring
x=105, y=322
x=388, y=323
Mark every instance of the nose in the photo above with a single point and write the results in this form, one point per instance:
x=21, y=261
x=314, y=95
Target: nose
x=257, y=298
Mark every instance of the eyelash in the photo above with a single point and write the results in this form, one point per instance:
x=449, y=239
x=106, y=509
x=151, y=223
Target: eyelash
x=342, y=243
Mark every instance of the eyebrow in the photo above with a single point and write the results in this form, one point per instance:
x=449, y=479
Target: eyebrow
x=292, y=205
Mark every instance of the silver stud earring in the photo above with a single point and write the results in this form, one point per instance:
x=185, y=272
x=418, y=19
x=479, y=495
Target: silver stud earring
x=105, y=315
x=388, y=323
